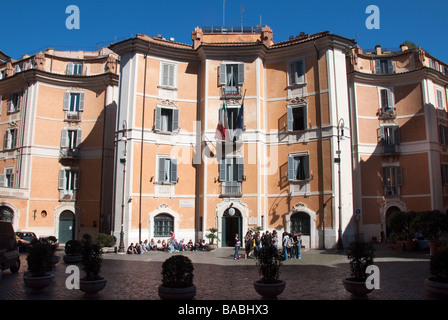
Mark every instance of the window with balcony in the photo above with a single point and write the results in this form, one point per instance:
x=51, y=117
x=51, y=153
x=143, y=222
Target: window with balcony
x=73, y=105
x=68, y=183
x=74, y=68
x=384, y=66
x=166, y=119
x=10, y=139
x=231, y=77
x=297, y=117
x=296, y=72
x=167, y=170
x=443, y=134
x=70, y=141
x=390, y=138
x=392, y=180
x=15, y=102
x=386, y=102
x=231, y=175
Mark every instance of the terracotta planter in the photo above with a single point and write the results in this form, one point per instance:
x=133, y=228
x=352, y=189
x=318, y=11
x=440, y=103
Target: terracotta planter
x=92, y=287
x=437, y=288
x=37, y=284
x=410, y=245
x=269, y=290
x=433, y=245
x=166, y=293
x=356, y=288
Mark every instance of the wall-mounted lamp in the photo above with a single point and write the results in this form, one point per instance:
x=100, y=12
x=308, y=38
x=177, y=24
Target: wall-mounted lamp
x=152, y=178
x=34, y=214
x=43, y=214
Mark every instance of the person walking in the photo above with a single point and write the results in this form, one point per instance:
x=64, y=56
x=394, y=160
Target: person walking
x=237, y=247
x=285, y=243
x=299, y=245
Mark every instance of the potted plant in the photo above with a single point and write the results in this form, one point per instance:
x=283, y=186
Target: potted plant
x=361, y=255
x=73, y=252
x=92, y=259
x=400, y=223
x=106, y=242
x=437, y=283
x=268, y=263
x=54, y=246
x=211, y=236
x=177, y=279
x=40, y=265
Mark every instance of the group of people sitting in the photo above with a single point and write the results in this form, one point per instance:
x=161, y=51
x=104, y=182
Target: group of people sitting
x=165, y=245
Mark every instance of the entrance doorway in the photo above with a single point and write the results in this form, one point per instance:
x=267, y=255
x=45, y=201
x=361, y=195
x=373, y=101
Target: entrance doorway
x=66, y=226
x=300, y=222
x=388, y=215
x=231, y=224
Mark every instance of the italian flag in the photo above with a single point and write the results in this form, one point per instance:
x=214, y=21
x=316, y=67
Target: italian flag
x=222, y=132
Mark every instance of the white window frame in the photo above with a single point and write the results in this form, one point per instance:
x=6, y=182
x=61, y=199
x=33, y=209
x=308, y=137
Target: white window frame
x=74, y=69
x=292, y=173
x=168, y=75
x=68, y=181
x=8, y=177
x=173, y=169
x=296, y=69
x=223, y=79
x=10, y=139
x=390, y=69
x=71, y=138
x=290, y=116
x=158, y=119
x=440, y=99
x=390, y=99
x=78, y=104
x=392, y=189
x=15, y=102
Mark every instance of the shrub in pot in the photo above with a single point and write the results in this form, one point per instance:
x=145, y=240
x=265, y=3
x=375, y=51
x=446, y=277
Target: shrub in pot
x=91, y=264
x=177, y=279
x=269, y=261
x=437, y=283
x=73, y=252
x=211, y=236
x=40, y=264
x=361, y=255
x=106, y=241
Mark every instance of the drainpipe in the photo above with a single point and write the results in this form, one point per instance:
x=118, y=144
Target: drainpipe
x=141, y=152
x=321, y=164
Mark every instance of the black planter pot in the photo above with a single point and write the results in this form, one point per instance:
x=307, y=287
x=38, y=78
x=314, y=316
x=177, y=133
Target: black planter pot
x=357, y=288
x=92, y=287
x=166, y=293
x=269, y=290
x=37, y=283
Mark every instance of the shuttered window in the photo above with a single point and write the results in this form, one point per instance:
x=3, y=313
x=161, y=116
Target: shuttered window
x=296, y=72
x=231, y=169
x=167, y=170
x=168, y=76
x=166, y=119
x=297, y=117
x=384, y=66
x=298, y=167
x=392, y=180
x=68, y=179
x=71, y=138
x=387, y=101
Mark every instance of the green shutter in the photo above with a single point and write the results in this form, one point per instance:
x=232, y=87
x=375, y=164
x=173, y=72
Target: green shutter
x=291, y=168
x=173, y=174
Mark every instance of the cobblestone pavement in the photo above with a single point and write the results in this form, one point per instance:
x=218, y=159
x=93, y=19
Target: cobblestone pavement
x=217, y=276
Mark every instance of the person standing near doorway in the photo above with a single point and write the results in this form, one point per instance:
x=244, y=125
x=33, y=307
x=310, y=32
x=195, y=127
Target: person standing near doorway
x=237, y=247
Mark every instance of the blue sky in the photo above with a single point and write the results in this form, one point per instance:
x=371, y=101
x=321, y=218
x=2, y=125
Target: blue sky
x=34, y=26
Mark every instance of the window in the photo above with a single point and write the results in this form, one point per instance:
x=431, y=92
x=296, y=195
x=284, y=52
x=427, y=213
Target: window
x=168, y=75
x=231, y=174
x=390, y=137
x=15, y=102
x=440, y=103
x=231, y=76
x=68, y=180
x=392, y=180
x=74, y=69
x=2, y=74
x=443, y=134
x=298, y=167
x=7, y=179
x=387, y=101
x=167, y=119
x=300, y=222
x=445, y=71
x=73, y=105
x=6, y=214
x=163, y=224
x=70, y=138
x=297, y=117
x=434, y=65
x=384, y=66
x=167, y=170
x=10, y=139
x=296, y=72
x=444, y=174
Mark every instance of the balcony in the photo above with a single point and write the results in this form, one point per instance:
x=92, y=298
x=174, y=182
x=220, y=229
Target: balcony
x=72, y=116
x=67, y=195
x=231, y=189
x=388, y=114
x=66, y=153
x=231, y=92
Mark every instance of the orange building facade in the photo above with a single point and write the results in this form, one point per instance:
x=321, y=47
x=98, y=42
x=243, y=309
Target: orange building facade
x=398, y=102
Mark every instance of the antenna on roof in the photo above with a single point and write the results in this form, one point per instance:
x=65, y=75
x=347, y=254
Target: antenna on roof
x=242, y=12
x=223, y=13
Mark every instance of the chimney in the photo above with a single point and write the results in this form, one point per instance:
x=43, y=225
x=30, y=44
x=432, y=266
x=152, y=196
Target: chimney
x=197, y=36
x=378, y=49
x=267, y=36
x=404, y=47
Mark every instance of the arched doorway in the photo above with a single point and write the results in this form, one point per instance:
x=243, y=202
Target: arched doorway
x=66, y=226
x=389, y=213
x=6, y=214
x=231, y=224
